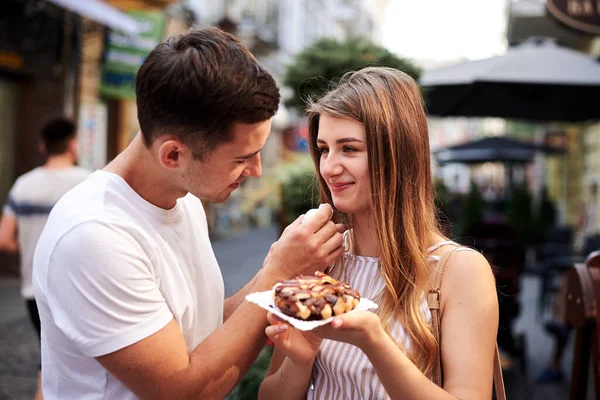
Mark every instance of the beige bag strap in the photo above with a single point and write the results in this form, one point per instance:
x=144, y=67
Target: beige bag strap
x=433, y=299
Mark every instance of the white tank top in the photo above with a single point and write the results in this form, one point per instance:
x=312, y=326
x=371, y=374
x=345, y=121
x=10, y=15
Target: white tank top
x=343, y=371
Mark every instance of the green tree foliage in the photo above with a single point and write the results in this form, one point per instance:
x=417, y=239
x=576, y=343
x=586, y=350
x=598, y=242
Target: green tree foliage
x=317, y=66
x=472, y=212
x=520, y=213
x=299, y=194
x=443, y=207
x=299, y=189
x=545, y=215
x=247, y=389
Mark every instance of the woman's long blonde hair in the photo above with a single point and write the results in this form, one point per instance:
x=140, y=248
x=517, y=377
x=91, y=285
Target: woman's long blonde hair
x=389, y=105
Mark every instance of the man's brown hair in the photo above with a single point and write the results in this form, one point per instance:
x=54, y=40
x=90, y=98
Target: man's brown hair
x=196, y=86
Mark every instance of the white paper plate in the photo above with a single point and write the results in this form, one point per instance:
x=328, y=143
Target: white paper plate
x=265, y=300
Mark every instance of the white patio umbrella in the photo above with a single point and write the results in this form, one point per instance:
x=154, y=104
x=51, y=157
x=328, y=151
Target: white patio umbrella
x=537, y=80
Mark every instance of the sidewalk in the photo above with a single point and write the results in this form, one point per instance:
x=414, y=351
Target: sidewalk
x=539, y=347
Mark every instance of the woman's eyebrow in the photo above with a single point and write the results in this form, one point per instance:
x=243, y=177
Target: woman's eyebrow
x=342, y=140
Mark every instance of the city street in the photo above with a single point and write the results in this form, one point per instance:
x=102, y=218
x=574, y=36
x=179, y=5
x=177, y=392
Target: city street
x=240, y=257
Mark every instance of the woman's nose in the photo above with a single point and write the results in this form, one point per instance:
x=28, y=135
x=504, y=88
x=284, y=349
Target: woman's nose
x=331, y=166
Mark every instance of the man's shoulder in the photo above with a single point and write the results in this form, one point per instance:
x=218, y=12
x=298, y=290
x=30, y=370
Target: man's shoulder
x=37, y=177
x=80, y=171
x=26, y=179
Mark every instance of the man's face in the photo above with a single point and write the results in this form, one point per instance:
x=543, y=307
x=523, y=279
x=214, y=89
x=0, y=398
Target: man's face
x=224, y=168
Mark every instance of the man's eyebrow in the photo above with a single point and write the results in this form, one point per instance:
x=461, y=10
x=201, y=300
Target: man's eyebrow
x=248, y=156
x=342, y=140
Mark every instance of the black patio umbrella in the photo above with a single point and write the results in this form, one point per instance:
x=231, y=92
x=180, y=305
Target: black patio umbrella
x=537, y=80
x=492, y=149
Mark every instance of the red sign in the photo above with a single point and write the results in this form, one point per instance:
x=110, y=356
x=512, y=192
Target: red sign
x=582, y=15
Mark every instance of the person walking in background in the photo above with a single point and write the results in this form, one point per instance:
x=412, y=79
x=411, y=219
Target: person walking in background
x=558, y=327
x=31, y=199
x=588, y=221
x=130, y=293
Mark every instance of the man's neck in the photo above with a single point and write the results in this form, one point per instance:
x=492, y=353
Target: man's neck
x=60, y=161
x=144, y=176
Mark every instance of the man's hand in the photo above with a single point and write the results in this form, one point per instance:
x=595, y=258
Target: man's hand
x=305, y=247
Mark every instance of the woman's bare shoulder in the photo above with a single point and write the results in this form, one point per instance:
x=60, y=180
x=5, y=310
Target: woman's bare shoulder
x=468, y=277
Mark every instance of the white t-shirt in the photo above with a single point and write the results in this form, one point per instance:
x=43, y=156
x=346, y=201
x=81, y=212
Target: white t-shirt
x=111, y=269
x=30, y=200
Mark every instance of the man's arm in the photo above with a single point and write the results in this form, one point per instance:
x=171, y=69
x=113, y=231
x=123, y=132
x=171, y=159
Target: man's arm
x=157, y=364
x=210, y=371
x=233, y=302
x=164, y=369
x=8, y=233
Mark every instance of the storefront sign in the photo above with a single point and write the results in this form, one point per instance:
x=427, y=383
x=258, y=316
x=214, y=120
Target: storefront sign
x=581, y=15
x=91, y=135
x=125, y=54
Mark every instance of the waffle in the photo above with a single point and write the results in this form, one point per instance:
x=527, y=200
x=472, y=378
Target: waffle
x=315, y=297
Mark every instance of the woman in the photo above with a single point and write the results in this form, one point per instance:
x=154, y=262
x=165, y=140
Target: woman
x=370, y=143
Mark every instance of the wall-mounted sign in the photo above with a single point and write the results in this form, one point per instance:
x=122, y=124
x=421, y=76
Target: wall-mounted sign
x=125, y=54
x=581, y=15
x=91, y=135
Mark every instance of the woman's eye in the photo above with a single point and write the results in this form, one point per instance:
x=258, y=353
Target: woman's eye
x=322, y=150
x=349, y=149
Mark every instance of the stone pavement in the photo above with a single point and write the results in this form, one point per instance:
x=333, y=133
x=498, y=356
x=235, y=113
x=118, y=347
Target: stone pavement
x=240, y=258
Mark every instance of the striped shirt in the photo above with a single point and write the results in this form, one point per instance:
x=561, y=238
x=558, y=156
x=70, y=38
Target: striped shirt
x=30, y=201
x=343, y=371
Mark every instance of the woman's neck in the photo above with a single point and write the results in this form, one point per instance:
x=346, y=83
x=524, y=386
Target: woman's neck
x=365, y=242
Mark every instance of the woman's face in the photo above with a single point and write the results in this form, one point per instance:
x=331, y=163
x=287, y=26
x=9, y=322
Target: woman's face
x=344, y=163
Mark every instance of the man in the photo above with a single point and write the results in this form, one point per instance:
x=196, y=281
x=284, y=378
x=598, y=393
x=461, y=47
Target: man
x=128, y=287
x=33, y=196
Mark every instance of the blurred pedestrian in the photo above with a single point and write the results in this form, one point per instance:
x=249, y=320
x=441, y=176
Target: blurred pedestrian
x=560, y=330
x=588, y=220
x=31, y=199
x=130, y=294
x=370, y=145
x=558, y=327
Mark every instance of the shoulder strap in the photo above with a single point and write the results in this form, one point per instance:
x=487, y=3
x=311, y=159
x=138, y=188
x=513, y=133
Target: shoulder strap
x=433, y=300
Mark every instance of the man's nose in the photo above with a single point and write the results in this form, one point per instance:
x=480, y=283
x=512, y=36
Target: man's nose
x=254, y=168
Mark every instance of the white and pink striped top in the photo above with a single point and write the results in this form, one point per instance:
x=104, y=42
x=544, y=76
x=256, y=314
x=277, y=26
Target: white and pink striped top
x=343, y=371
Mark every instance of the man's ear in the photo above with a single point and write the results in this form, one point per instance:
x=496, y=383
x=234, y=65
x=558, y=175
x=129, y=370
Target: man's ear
x=173, y=154
x=74, y=147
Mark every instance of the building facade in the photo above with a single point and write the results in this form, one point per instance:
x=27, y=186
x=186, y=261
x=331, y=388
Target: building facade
x=568, y=178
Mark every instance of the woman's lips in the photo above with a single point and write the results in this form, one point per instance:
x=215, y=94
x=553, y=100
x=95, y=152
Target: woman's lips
x=340, y=187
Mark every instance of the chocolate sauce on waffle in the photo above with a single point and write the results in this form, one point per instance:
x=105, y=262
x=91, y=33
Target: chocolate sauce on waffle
x=314, y=297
